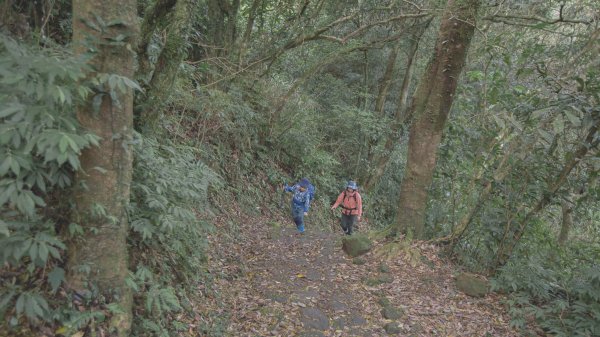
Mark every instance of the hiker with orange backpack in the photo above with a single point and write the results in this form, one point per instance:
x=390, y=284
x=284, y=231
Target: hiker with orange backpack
x=351, y=202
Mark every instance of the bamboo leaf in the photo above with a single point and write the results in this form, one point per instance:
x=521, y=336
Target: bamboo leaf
x=43, y=252
x=11, y=109
x=33, y=251
x=558, y=124
x=573, y=119
x=4, y=229
x=6, y=298
x=6, y=165
x=56, y=277
x=20, y=305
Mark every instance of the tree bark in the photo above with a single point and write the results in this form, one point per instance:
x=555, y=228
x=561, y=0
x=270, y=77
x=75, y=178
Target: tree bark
x=567, y=221
x=153, y=18
x=169, y=60
x=430, y=108
x=386, y=80
x=99, y=258
x=408, y=74
x=248, y=32
x=381, y=159
x=222, y=29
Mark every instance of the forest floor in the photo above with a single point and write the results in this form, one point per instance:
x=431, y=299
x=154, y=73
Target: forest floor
x=268, y=280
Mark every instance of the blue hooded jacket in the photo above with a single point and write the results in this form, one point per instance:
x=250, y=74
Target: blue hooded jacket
x=300, y=199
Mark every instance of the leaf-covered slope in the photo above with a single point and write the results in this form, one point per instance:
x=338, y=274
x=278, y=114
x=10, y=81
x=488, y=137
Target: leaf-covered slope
x=271, y=281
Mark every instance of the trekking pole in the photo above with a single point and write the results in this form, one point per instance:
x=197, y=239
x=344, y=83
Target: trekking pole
x=333, y=218
x=282, y=197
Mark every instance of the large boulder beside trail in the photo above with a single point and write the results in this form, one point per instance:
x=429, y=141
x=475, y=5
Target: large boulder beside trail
x=472, y=285
x=356, y=245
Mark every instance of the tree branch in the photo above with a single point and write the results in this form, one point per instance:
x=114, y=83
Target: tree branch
x=507, y=19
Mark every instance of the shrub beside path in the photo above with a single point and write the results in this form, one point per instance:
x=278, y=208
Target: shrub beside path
x=271, y=281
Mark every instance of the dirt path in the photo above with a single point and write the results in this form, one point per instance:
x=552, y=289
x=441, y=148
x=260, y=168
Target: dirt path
x=271, y=281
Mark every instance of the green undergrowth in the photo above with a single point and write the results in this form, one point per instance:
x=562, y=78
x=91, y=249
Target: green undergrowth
x=40, y=143
x=168, y=242
x=555, y=289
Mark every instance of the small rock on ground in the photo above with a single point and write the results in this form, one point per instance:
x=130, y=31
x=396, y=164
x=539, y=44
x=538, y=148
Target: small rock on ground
x=314, y=318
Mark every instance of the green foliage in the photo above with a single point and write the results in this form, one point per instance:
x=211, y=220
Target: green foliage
x=170, y=188
x=40, y=144
x=562, y=296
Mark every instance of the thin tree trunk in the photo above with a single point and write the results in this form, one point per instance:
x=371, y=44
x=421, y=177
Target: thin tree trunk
x=248, y=32
x=567, y=221
x=433, y=99
x=215, y=28
x=401, y=104
x=386, y=80
x=500, y=173
x=505, y=250
x=169, y=60
x=380, y=160
x=365, y=95
x=153, y=18
x=99, y=258
x=231, y=27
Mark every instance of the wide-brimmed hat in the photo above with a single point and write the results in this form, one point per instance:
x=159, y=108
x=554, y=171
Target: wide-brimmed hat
x=352, y=185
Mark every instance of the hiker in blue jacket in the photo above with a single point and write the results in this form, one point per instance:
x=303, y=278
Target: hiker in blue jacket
x=300, y=202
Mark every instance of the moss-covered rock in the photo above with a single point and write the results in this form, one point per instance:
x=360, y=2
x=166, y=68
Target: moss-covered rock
x=356, y=245
x=358, y=261
x=472, y=285
x=380, y=279
x=390, y=312
x=383, y=301
x=392, y=328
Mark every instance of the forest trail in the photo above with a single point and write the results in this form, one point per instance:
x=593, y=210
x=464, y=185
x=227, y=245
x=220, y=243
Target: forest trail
x=272, y=281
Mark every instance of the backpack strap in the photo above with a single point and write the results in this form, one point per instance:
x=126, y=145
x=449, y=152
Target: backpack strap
x=344, y=199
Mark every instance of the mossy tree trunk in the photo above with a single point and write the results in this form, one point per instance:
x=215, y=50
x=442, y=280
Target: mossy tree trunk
x=567, y=221
x=99, y=257
x=430, y=107
x=169, y=61
x=153, y=18
x=222, y=26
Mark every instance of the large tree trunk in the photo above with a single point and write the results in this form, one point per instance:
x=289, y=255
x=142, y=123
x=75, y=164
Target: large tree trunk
x=221, y=28
x=99, y=258
x=430, y=108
